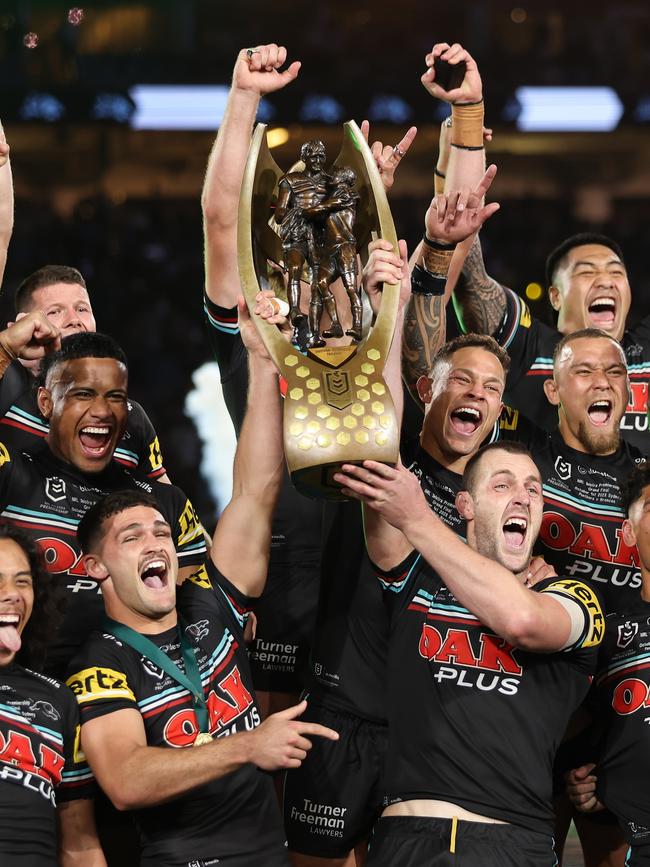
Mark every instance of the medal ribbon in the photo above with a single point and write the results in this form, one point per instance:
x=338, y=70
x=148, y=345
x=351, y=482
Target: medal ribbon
x=190, y=678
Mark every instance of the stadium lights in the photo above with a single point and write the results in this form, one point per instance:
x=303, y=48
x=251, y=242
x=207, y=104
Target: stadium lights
x=568, y=109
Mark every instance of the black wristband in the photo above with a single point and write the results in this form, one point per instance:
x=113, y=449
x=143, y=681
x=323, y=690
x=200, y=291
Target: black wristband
x=438, y=245
x=423, y=282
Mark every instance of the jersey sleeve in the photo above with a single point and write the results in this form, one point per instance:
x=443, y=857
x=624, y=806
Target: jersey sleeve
x=144, y=441
x=77, y=779
x=16, y=380
x=230, y=355
x=208, y=579
x=395, y=580
x=590, y=605
x=99, y=679
x=519, y=333
x=187, y=530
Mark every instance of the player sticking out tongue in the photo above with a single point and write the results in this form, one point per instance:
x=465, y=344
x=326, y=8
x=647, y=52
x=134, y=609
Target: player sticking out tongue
x=9, y=635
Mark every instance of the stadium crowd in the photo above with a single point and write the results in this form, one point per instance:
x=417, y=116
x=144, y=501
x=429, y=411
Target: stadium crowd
x=447, y=675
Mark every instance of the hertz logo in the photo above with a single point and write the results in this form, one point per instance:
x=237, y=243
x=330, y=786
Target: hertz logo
x=96, y=683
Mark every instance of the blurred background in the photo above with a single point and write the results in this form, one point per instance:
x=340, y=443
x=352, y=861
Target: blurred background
x=111, y=108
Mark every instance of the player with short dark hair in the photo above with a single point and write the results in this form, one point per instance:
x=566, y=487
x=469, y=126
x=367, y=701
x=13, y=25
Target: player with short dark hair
x=483, y=671
x=44, y=278
x=46, y=815
x=46, y=489
x=170, y=723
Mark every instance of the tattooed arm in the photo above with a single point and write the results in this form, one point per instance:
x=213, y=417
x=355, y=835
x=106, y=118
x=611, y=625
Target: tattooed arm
x=424, y=319
x=482, y=299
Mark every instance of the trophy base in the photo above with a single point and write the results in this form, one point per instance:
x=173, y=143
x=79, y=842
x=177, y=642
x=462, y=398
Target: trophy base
x=318, y=482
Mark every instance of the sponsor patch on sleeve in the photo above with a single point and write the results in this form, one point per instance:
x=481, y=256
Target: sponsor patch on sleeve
x=200, y=577
x=97, y=683
x=588, y=600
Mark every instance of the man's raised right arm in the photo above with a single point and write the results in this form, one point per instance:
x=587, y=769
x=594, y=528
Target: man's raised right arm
x=253, y=77
x=6, y=201
x=482, y=299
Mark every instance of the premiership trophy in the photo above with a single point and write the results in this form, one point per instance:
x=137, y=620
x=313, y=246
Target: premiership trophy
x=311, y=223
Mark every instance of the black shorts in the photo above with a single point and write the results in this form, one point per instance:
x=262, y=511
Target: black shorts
x=412, y=841
x=286, y=615
x=333, y=799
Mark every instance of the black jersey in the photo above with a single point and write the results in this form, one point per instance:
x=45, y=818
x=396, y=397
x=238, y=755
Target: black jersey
x=41, y=764
x=531, y=343
x=581, y=532
x=472, y=720
x=234, y=815
x=47, y=497
x=348, y=670
x=622, y=697
x=23, y=425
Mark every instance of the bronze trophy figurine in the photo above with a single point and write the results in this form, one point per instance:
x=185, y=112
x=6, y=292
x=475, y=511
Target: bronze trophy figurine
x=313, y=224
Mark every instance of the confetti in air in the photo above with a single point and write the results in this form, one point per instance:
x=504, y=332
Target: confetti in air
x=75, y=16
x=30, y=40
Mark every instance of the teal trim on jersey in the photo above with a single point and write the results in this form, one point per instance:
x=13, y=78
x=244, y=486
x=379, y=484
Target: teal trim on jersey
x=563, y=497
x=46, y=516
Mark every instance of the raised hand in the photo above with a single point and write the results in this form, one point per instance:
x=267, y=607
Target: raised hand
x=388, y=157
x=31, y=336
x=450, y=219
x=384, y=265
x=471, y=88
x=258, y=70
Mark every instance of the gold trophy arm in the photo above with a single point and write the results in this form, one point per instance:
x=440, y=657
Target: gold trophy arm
x=373, y=216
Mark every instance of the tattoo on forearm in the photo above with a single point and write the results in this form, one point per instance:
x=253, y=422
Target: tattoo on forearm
x=482, y=298
x=423, y=334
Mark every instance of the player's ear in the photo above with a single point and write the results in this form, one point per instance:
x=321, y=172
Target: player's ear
x=555, y=297
x=629, y=536
x=95, y=567
x=465, y=505
x=551, y=392
x=44, y=401
x=423, y=386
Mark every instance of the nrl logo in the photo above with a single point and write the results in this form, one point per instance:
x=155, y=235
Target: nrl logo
x=626, y=632
x=54, y=489
x=562, y=468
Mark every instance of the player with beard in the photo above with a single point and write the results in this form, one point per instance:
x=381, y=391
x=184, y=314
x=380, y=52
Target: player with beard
x=470, y=642
x=620, y=697
x=147, y=723
x=45, y=785
x=59, y=294
x=46, y=489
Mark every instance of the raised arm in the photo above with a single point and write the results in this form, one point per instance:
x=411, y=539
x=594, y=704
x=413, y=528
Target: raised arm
x=445, y=228
x=481, y=298
x=242, y=540
x=254, y=75
x=6, y=202
x=534, y=621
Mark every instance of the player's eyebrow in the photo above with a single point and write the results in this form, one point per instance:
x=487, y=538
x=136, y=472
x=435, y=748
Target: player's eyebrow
x=138, y=525
x=586, y=262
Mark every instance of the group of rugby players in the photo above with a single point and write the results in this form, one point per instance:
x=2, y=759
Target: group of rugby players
x=433, y=693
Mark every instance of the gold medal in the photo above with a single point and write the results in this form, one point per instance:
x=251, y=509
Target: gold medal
x=202, y=738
